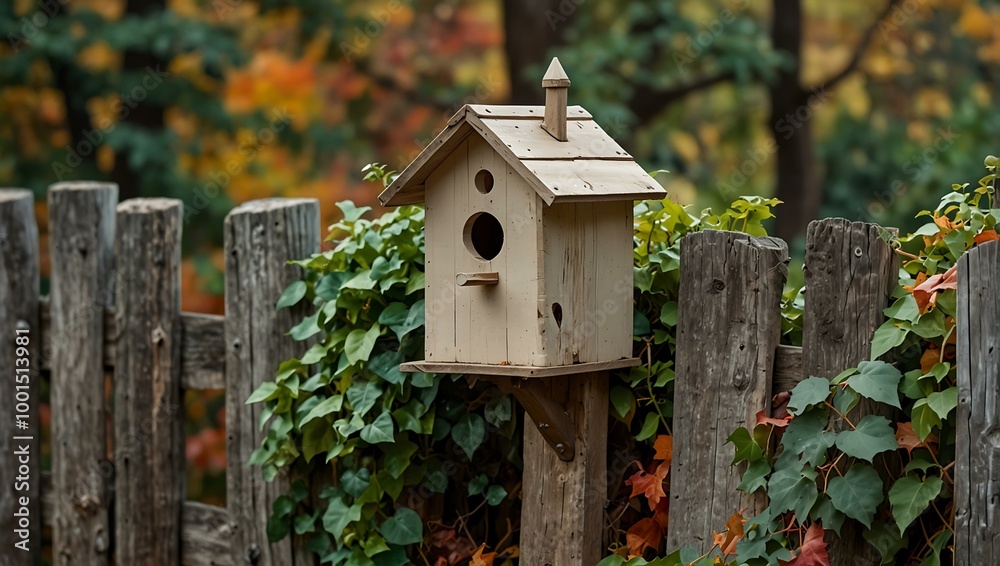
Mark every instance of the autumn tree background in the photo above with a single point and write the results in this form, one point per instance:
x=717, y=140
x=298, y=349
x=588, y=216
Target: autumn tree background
x=856, y=109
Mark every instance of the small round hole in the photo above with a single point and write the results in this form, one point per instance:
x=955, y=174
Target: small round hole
x=483, y=235
x=484, y=181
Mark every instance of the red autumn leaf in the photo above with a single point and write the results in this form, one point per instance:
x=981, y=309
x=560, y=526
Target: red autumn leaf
x=986, y=236
x=644, y=534
x=649, y=484
x=907, y=439
x=813, y=550
x=780, y=423
x=926, y=292
x=664, y=447
x=661, y=513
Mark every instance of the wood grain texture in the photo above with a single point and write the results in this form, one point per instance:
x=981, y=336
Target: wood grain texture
x=260, y=237
x=728, y=326
x=850, y=272
x=515, y=112
x=206, y=531
x=516, y=370
x=149, y=445
x=563, y=521
x=19, y=310
x=83, y=287
x=203, y=346
x=787, y=368
x=977, y=451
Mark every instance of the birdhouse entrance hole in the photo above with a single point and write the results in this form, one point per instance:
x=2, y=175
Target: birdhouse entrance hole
x=483, y=235
x=484, y=181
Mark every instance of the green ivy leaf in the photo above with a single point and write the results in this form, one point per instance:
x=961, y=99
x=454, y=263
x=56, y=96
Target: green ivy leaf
x=621, y=400
x=871, y=436
x=755, y=477
x=887, y=337
x=469, y=433
x=498, y=411
x=747, y=448
x=355, y=482
x=362, y=396
x=886, y=540
x=478, y=484
x=403, y=528
x=306, y=329
x=649, y=427
x=359, y=343
x=909, y=497
x=808, y=392
x=495, y=494
x=825, y=512
x=793, y=490
x=397, y=456
x=943, y=402
x=380, y=430
x=329, y=286
x=924, y=419
x=877, y=381
x=292, y=294
x=265, y=392
x=324, y=408
x=806, y=436
x=857, y=494
x=337, y=516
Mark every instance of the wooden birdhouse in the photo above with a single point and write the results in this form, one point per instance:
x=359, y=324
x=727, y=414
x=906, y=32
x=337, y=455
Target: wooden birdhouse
x=528, y=239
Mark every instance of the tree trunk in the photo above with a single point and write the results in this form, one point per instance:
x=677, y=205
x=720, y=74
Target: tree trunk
x=791, y=114
x=531, y=29
x=144, y=114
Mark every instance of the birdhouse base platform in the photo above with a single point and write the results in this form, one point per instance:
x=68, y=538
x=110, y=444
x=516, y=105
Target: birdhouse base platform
x=516, y=371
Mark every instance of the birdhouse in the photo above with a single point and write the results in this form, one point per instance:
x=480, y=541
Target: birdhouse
x=528, y=239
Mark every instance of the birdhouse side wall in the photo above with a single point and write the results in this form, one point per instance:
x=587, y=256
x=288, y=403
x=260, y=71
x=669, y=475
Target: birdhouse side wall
x=586, y=266
x=489, y=324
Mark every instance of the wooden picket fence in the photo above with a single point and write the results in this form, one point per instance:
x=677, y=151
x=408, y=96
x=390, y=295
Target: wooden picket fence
x=114, y=308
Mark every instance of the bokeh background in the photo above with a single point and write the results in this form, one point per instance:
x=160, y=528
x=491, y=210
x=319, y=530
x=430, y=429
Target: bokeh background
x=863, y=109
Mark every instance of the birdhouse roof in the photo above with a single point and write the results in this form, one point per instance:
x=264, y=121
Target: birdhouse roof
x=590, y=166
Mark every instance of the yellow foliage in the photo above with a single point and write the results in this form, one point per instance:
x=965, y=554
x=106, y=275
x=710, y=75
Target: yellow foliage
x=685, y=145
x=99, y=57
x=975, y=22
x=932, y=102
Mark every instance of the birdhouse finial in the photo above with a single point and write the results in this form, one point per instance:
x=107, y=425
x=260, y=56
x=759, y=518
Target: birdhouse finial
x=556, y=85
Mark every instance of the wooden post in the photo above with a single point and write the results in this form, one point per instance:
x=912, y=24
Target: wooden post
x=149, y=414
x=81, y=240
x=260, y=237
x=563, y=519
x=977, y=450
x=728, y=327
x=19, y=313
x=850, y=272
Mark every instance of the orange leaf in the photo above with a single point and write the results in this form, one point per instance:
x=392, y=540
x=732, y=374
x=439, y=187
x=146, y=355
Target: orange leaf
x=986, y=236
x=661, y=513
x=813, y=550
x=931, y=356
x=734, y=532
x=644, y=534
x=907, y=439
x=925, y=292
x=650, y=485
x=480, y=559
x=664, y=447
x=780, y=423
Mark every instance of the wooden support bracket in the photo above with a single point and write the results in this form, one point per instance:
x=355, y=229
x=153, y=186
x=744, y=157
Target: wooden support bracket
x=549, y=415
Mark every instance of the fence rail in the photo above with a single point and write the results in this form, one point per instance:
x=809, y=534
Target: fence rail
x=121, y=497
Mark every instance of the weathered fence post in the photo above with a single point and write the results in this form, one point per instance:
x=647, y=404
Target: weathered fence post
x=260, y=237
x=850, y=272
x=977, y=450
x=728, y=326
x=567, y=499
x=81, y=240
x=149, y=414
x=19, y=318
